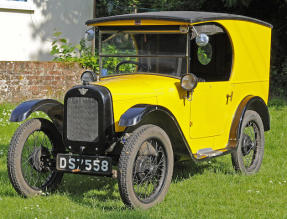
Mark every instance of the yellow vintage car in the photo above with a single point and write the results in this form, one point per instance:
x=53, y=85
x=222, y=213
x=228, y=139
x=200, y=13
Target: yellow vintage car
x=171, y=86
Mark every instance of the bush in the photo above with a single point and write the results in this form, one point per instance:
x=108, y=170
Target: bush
x=67, y=52
x=277, y=102
x=81, y=53
x=278, y=82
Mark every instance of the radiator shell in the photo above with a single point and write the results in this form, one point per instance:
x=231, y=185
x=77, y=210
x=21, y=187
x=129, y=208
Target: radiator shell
x=88, y=120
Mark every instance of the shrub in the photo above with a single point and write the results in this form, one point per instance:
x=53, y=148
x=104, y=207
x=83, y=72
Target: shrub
x=64, y=51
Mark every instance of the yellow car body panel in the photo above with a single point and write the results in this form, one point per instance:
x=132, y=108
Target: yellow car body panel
x=200, y=118
x=129, y=90
x=250, y=76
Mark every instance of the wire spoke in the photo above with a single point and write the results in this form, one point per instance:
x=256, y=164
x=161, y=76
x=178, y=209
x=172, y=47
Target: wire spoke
x=149, y=170
x=250, y=143
x=33, y=169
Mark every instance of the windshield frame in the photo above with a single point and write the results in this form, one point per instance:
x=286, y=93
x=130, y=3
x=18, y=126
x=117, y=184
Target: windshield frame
x=187, y=55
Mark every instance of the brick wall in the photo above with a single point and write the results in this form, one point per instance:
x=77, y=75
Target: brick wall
x=20, y=81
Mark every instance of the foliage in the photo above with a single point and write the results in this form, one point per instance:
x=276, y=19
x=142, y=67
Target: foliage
x=278, y=82
x=111, y=62
x=114, y=7
x=208, y=189
x=119, y=43
x=64, y=51
x=236, y=3
x=277, y=102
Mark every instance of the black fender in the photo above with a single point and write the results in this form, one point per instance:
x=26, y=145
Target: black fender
x=53, y=108
x=254, y=103
x=135, y=114
x=153, y=114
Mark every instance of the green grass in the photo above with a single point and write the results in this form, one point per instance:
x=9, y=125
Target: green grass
x=208, y=189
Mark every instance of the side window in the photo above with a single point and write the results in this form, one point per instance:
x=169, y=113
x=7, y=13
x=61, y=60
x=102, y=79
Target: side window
x=212, y=62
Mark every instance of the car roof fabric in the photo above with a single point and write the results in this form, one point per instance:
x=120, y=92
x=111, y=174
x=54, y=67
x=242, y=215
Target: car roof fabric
x=180, y=16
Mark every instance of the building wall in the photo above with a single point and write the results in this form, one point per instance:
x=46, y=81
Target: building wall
x=27, y=27
x=20, y=81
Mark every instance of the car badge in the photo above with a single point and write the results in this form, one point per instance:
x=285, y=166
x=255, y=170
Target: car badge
x=83, y=91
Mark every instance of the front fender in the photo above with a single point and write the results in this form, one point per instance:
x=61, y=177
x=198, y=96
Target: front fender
x=162, y=117
x=135, y=114
x=53, y=108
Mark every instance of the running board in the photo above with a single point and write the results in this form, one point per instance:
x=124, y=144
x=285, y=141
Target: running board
x=208, y=153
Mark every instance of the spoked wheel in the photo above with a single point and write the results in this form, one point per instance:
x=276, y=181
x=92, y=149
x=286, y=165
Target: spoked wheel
x=31, y=158
x=145, y=167
x=149, y=170
x=249, y=153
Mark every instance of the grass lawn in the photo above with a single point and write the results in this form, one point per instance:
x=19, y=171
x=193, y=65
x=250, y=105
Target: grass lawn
x=209, y=189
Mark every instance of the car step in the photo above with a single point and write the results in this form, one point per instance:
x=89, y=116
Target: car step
x=207, y=152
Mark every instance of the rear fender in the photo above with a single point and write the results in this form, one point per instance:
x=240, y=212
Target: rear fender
x=254, y=103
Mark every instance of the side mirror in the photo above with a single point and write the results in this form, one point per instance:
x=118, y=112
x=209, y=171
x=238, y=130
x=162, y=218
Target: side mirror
x=188, y=82
x=87, y=77
x=202, y=39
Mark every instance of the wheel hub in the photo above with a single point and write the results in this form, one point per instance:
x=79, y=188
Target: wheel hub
x=247, y=145
x=144, y=166
x=38, y=157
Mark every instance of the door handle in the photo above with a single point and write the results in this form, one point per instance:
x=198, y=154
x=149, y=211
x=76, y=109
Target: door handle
x=229, y=97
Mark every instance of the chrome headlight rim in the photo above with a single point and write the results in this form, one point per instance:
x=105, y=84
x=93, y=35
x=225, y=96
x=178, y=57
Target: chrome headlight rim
x=88, y=76
x=188, y=82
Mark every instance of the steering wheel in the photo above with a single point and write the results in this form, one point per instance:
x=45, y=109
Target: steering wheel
x=140, y=65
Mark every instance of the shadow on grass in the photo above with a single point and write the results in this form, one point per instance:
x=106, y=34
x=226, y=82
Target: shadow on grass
x=102, y=192
x=91, y=191
x=84, y=190
x=189, y=168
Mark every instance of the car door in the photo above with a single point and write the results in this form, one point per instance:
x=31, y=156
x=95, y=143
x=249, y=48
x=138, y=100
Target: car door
x=211, y=100
x=210, y=107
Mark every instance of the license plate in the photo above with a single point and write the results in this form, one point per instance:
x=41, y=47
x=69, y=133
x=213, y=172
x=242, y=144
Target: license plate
x=84, y=164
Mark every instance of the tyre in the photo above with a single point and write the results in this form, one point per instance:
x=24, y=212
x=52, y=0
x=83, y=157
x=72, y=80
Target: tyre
x=31, y=158
x=247, y=157
x=145, y=167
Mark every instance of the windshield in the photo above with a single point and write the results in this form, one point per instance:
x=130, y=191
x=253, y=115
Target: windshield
x=133, y=52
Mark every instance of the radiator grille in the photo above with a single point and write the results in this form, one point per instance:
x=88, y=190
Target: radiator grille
x=82, y=119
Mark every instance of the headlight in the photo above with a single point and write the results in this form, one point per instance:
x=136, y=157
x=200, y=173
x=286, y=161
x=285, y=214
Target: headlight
x=88, y=76
x=188, y=82
x=90, y=34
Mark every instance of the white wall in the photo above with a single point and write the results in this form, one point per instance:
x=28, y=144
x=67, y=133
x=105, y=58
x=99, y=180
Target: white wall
x=26, y=28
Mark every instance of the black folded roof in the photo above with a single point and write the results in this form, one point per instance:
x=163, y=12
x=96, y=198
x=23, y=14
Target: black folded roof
x=181, y=16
